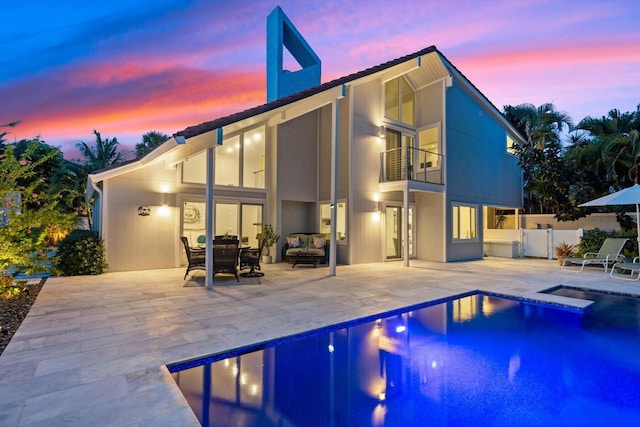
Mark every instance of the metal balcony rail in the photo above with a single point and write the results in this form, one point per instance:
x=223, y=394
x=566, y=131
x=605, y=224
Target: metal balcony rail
x=408, y=163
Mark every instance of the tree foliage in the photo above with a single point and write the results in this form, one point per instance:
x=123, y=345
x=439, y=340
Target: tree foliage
x=599, y=156
x=104, y=153
x=150, y=141
x=28, y=213
x=546, y=174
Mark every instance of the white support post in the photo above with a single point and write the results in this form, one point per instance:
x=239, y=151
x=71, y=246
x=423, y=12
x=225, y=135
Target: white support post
x=405, y=228
x=209, y=219
x=334, y=188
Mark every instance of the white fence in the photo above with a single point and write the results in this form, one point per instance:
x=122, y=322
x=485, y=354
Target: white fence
x=529, y=243
x=541, y=243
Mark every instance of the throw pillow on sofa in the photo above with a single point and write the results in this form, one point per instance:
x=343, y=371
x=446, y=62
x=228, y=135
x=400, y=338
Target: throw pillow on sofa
x=318, y=242
x=294, y=242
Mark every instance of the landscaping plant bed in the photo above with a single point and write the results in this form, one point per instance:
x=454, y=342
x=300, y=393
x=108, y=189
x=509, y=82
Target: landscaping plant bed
x=14, y=307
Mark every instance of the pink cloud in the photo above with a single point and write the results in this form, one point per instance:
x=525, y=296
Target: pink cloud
x=136, y=101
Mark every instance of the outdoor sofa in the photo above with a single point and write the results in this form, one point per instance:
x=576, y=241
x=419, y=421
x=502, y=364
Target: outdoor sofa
x=306, y=248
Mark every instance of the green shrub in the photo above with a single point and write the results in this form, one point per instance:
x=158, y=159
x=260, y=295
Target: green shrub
x=592, y=240
x=80, y=253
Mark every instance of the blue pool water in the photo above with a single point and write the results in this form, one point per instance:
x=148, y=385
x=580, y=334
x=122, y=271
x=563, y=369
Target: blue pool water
x=474, y=361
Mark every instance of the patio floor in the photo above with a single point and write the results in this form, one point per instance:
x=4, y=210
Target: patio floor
x=93, y=349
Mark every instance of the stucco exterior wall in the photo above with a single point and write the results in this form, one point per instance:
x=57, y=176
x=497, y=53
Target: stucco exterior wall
x=603, y=221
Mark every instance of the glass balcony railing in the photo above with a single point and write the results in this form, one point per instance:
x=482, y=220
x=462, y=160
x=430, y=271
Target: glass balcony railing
x=408, y=163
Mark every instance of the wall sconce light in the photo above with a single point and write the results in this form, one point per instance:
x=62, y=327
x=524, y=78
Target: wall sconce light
x=164, y=209
x=382, y=132
x=377, y=204
x=144, y=210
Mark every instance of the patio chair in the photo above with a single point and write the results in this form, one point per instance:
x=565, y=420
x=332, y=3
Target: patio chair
x=631, y=267
x=250, y=258
x=195, y=257
x=225, y=257
x=608, y=253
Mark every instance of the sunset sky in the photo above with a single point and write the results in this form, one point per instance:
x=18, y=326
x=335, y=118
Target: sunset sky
x=128, y=67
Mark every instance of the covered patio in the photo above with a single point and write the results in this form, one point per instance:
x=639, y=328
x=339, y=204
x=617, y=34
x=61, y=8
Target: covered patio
x=95, y=348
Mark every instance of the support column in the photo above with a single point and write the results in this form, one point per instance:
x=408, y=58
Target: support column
x=209, y=219
x=334, y=188
x=405, y=229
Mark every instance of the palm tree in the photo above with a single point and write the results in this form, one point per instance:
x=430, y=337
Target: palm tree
x=5, y=133
x=105, y=153
x=539, y=125
x=546, y=175
x=614, y=123
x=617, y=135
x=150, y=141
x=72, y=183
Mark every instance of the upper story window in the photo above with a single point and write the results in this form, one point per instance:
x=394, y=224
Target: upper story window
x=239, y=162
x=511, y=149
x=429, y=139
x=227, y=163
x=399, y=101
x=253, y=164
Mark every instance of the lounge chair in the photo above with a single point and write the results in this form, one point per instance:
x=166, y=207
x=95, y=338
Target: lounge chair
x=608, y=253
x=195, y=257
x=225, y=257
x=626, y=266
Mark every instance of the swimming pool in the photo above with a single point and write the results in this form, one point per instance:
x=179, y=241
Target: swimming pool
x=476, y=360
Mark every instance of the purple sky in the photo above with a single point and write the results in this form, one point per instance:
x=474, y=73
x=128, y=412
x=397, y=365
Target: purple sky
x=127, y=67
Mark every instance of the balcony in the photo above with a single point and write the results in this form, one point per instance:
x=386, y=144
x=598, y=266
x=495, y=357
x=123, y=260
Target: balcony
x=412, y=164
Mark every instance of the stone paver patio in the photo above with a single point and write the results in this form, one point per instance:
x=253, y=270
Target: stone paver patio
x=93, y=349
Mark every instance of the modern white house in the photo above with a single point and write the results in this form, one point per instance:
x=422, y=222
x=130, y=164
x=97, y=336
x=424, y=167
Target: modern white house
x=404, y=160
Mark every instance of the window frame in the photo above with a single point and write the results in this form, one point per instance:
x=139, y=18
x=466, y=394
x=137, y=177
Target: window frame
x=418, y=142
x=345, y=240
x=510, y=150
x=455, y=228
x=241, y=163
x=399, y=121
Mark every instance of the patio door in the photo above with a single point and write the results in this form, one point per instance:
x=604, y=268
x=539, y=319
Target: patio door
x=394, y=241
x=398, y=155
x=230, y=217
x=226, y=219
x=251, y=224
x=394, y=155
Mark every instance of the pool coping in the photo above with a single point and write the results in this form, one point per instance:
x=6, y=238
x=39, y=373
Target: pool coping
x=574, y=305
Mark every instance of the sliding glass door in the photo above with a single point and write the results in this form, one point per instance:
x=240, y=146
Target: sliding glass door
x=238, y=219
x=394, y=241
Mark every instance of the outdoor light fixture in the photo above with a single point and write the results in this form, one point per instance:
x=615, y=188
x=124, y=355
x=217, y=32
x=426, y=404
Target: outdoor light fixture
x=144, y=210
x=382, y=132
x=164, y=199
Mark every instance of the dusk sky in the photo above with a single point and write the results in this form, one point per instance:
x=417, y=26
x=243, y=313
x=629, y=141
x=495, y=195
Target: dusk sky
x=128, y=67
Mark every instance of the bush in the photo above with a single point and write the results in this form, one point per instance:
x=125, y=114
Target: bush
x=592, y=240
x=80, y=253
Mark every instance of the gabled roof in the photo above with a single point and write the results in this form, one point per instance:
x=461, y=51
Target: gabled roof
x=192, y=131
x=224, y=121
